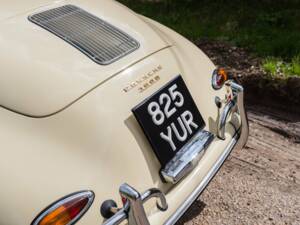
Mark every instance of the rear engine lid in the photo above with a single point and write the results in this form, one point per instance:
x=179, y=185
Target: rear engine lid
x=45, y=69
x=13, y=7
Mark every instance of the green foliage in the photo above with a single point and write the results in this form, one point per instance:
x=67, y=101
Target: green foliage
x=276, y=67
x=296, y=65
x=269, y=28
x=270, y=66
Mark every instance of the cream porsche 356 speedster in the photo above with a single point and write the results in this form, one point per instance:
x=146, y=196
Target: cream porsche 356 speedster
x=107, y=117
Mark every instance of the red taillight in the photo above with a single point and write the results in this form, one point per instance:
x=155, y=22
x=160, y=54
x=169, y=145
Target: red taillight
x=219, y=77
x=67, y=210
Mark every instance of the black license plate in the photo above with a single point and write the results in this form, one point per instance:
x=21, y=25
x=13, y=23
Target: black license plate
x=169, y=119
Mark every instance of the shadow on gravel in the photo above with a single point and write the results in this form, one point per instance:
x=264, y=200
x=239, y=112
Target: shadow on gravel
x=195, y=209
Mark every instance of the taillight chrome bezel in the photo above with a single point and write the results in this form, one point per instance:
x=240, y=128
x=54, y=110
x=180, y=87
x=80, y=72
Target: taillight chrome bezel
x=68, y=198
x=217, y=74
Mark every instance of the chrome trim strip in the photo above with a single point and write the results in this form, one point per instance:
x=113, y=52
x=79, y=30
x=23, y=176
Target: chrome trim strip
x=89, y=194
x=188, y=202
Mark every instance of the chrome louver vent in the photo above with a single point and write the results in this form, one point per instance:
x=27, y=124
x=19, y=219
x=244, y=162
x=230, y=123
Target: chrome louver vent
x=96, y=38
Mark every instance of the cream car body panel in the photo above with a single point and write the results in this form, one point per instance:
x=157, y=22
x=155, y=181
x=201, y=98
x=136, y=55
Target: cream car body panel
x=46, y=64
x=73, y=128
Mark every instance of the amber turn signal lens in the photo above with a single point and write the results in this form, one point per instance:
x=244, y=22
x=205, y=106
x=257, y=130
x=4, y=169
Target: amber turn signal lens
x=219, y=77
x=67, y=210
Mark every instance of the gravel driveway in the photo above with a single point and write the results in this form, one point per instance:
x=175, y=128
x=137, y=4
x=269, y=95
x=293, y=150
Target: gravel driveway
x=259, y=184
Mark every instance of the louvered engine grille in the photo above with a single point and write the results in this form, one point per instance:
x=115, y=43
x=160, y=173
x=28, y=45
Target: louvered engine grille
x=96, y=38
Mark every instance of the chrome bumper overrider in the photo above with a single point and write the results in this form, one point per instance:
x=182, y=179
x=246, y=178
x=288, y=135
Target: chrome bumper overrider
x=133, y=210
x=236, y=104
x=184, y=161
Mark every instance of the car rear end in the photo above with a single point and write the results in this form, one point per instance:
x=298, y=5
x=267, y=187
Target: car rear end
x=146, y=130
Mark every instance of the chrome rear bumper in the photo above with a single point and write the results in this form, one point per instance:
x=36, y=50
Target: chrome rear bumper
x=133, y=210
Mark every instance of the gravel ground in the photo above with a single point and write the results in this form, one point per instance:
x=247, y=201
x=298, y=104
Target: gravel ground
x=259, y=184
